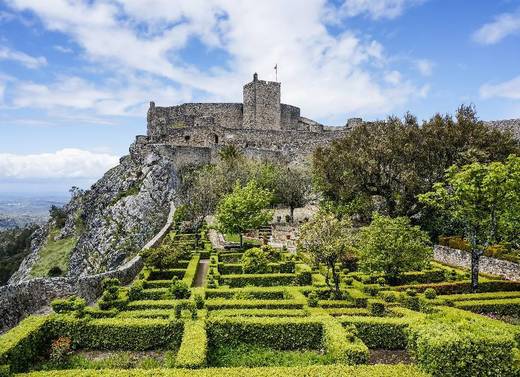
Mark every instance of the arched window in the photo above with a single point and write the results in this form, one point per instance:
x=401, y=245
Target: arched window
x=215, y=136
x=187, y=138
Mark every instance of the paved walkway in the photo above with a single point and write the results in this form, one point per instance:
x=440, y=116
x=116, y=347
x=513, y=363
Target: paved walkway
x=202, y=270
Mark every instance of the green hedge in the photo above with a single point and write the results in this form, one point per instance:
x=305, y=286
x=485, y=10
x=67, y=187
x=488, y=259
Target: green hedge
x=166, y=274
x=191, y=270
x=148, y=313
x=451, y=343
x=277, y=333
x=315, y=370
x=379, y=332
x=194, y=346
x=153, y=284
x=153, y=293
x=262, y=293
x=480, y=296
x=151, y=304
x=259, y=313
x=230, y=257
x=261, y=280
x=501, y=306
x=135, y=334
x=458, y=287
x=22, y=344
x=218, y=304
x=345, y=348
x=336, y=304
x=335, y=312
x=229, y=268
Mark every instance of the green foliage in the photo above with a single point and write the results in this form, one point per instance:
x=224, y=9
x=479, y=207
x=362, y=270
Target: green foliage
x=243, y=209
x=69, y=305
x=165, y=256
x=379, y=332
x=255, y=261
x=22, y=344
x=506, y=306
x=179, y=289
x=327, y=239
x=133, y=334
x=396, y=160
x=376, y=308
x=453, y=344
x=304, y=371
x=58, y=216
x=277, y=333
x=54, y=253
x=14, y=246
x=261, y=280
x=312, y=299
x=393, y=246
x=194, y=346
x=430, y=293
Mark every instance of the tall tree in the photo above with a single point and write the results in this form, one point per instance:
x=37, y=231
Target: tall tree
x=293, y=186
x=243, y=209
x=383, y=166
x=327, y=239
x=485, y=198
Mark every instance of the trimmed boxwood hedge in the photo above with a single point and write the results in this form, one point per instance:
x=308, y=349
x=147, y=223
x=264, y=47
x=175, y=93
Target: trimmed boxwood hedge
x=345, y=348
x=261, y=280
x=148, y=313
x=458, y=287
x=259, y=313
x=277, y=333
x=217, y=304
x=194, y=346
x=501, y=306
x=315, y=370
x=191, y=270
x=22, y=344
x=133, y=334
x=379, y=332
x=262, y=293
x=451, y=343
x=166, y=274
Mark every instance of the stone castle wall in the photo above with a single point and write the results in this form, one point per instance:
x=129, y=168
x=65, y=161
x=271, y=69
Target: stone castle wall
x=461, y=258
x=262, y=105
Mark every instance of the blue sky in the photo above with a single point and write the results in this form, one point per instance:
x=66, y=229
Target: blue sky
x=76, y=77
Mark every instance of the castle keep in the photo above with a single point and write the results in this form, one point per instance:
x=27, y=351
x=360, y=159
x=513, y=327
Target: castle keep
x=261, y=126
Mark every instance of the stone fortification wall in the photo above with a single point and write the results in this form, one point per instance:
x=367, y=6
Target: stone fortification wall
x=22, y=299
x=161, y=120
x=460, y=258
x=290, y=116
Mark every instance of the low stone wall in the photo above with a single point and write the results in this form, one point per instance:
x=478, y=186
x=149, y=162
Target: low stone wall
x=460, y=258
x=27, y=297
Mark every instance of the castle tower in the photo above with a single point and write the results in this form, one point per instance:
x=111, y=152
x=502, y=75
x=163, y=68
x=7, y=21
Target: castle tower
x=262, y=105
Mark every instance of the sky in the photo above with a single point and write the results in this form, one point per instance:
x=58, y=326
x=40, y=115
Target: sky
x=76, y=76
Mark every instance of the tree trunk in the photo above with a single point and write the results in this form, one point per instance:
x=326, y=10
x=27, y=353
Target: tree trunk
x=241, y=241
x=475, y=259
x=335, y=277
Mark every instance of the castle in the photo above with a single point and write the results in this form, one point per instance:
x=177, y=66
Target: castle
x=261, y=126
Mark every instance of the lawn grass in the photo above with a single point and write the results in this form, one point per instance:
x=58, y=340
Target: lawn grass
x=252, y=356
x=54, y=253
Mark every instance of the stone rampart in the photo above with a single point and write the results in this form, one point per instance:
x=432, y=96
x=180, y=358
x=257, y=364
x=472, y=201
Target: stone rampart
x=460, y=258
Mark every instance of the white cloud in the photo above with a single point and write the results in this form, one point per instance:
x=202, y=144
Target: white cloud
x=65, y=163
x=507, y=89
x=424, y=66
x=327, y=75
x=22, y=58
x=376, y=9
x=63, y=49
x=502, y=26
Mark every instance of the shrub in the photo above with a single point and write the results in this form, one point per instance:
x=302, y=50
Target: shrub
x=381, y=280
x=277, y=333
x=55, y=271
x=430, y=293
x=255, y=261
x=199, y=301
x=261, y=280
x=71, y=304
x=349, y=280
x=454, y=344
x=342, y=344
x=376, y=308
x=60, y=348
x=371, y=289
x=179, y=289
x=136, y=290
x=388, y=296
x=194, y=346
x=379, y=332
x=393, y=246
x=312, y=299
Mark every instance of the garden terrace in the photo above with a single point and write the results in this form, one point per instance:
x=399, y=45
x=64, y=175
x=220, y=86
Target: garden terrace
x=273, y=323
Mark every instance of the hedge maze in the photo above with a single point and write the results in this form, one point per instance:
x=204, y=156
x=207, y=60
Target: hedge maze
x=281, y=321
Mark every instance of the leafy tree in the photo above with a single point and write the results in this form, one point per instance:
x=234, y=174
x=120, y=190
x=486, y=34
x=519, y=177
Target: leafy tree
x=486, y=199
x=165, y=255
x=393, y=246
x=383, y=166
x=243, y=209
x=327, y=239
x=255, y=261
x=293, y=186
x=58, y=215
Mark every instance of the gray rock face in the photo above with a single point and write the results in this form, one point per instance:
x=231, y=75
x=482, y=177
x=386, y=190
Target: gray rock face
x=117, y=216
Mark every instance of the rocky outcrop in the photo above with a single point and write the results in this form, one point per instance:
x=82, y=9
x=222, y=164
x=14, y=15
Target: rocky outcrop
x=511, y=125
x=118, y=215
